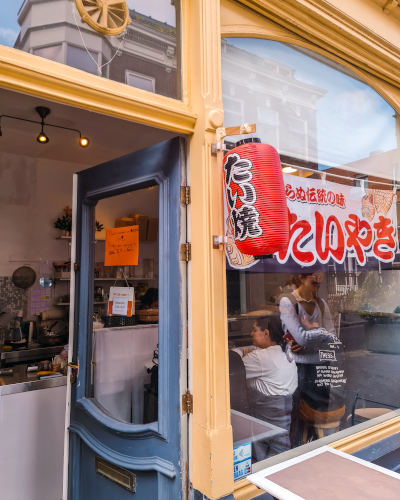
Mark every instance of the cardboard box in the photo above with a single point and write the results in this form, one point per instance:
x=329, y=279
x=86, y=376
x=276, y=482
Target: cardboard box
x=62, y=275
x=125, y=221
x=152, y=229
x=142, y=221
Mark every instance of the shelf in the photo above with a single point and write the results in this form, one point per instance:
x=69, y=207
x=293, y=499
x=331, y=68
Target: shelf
x=137, y=278
x=67, y=303
x=69, y=238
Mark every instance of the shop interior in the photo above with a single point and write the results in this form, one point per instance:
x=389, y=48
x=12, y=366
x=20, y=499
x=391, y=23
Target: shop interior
x=363, y=303
x=36, y=223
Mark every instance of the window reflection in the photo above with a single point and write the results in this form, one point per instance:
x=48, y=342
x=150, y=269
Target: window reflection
x=146, y=54
x=313, y=331
x=316, y=112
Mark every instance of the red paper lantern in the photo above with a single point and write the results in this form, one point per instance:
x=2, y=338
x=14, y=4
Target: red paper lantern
x=255, y=196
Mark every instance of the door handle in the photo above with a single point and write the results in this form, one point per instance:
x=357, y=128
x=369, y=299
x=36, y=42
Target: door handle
x=72, y=376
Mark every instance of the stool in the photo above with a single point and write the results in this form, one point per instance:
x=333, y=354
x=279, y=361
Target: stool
x=320, y=428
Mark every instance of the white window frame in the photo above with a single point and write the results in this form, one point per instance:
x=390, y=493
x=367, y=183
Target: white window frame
x=140, y=75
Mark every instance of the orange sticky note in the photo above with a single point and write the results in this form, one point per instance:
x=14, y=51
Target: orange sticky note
x=122, y=246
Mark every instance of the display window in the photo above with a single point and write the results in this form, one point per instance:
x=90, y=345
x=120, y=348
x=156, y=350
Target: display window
x=108, y=39
x=313, y=329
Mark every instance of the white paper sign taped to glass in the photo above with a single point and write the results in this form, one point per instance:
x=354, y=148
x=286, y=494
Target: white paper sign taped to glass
x=331, y=221
x=121, y=301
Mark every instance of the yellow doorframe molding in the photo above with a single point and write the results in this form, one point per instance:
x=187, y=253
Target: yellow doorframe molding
x=237, y=20
x=36, y=76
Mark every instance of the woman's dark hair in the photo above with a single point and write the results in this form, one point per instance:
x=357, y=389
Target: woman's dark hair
x=297, y=278
x=273, y=324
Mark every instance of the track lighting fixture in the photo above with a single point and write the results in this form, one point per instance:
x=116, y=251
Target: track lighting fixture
x=84, y=142
x=42, y=138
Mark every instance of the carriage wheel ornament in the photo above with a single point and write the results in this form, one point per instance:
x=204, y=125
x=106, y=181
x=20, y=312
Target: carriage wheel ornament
x=109, y=17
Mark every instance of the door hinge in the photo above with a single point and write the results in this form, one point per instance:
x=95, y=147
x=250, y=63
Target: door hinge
x=187, y=403
x=185, y=195
x=186, y=252
x=76, y=267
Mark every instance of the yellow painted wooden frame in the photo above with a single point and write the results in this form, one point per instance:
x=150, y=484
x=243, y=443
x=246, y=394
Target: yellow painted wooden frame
x=314, y=24
x=374, y=60
x=33, y=75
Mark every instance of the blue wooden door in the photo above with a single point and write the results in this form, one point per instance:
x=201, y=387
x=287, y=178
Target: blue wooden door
x=152, y=449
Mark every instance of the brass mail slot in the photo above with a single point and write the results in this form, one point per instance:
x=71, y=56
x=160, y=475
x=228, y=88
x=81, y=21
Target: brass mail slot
x=123, y=477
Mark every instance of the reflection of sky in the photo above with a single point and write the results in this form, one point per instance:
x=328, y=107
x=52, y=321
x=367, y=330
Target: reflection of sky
x=352, y=119
x=161, y=10
x=9, y=27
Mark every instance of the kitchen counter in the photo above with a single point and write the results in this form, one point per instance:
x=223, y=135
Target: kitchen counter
x=22, y=381
x=36, y=352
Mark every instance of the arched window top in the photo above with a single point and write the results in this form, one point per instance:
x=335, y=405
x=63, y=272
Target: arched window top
x=314, y=111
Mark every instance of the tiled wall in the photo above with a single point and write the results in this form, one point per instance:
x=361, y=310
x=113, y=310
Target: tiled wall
x=12, y=299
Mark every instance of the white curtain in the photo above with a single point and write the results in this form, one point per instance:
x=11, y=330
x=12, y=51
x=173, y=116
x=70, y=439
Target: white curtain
x=120, y=374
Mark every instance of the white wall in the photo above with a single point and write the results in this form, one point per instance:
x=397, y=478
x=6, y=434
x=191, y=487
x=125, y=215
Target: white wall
x=33, y=193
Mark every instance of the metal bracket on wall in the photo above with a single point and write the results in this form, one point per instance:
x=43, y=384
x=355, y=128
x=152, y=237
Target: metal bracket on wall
x=187, y=403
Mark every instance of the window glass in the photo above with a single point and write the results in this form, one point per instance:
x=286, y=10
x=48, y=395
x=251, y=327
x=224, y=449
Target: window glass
x=82, y=59
x=314, y=329
x=136, y=35
x=54, y=53
x=139, y=81
x=125, y=307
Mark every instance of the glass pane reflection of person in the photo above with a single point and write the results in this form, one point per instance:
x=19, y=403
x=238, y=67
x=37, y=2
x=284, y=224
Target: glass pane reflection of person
x=271, y=381
x=318, y=355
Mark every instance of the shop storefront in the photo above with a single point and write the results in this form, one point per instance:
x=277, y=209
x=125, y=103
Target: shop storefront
x=192, y=364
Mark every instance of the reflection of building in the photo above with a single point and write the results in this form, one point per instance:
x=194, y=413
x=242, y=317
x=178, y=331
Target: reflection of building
x=146, y=51
x=258, y=90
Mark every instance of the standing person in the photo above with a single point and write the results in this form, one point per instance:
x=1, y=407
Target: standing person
x=271, y=382
x=317, y=352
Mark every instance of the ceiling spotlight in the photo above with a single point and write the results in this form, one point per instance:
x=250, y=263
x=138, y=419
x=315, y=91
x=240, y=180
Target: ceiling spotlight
x=42, y=111
x=42, y=138
x=84, y=142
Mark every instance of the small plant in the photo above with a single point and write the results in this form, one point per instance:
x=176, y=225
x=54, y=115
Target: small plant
x=99, y=227
x=65, y=223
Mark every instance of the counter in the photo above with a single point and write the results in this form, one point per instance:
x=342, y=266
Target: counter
x=21, y=381
x=32, y=426
x=35, y=353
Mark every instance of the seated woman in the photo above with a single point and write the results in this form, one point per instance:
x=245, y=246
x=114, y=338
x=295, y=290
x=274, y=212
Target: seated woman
x=271, y=382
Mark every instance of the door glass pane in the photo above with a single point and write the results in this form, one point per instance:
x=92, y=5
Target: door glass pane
x=125, y=305
x=137, y=35
x=313, y=330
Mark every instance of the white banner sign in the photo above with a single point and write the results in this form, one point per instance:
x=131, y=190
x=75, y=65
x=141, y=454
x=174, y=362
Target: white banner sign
x=329, y=220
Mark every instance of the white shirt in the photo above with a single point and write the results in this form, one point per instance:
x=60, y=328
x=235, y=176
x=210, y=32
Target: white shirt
x=269, y=371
